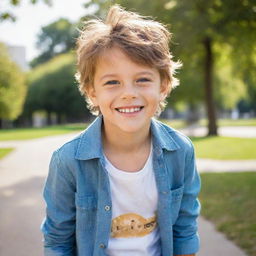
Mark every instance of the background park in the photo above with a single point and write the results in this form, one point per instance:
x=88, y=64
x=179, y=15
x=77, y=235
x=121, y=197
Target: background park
x=40, y=108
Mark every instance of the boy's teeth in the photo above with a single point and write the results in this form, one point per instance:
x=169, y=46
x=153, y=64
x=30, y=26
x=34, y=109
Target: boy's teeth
x=128, y=110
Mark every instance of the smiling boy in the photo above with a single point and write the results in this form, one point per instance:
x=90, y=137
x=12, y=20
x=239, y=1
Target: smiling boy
x=128, y=185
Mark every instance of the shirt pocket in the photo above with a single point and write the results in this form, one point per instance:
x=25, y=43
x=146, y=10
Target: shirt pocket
x=86, y=207
x=176, y=197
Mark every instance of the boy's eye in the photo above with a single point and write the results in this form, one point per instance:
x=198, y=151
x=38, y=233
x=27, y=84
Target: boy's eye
x=112, y=82
x=143, y=79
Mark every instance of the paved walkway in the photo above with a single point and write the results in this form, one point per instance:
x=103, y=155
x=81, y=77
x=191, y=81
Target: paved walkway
x=22, y=208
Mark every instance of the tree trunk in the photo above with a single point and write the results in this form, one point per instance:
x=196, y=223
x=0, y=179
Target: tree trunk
x=48, y=118
x=59, y=119
x=208, y=84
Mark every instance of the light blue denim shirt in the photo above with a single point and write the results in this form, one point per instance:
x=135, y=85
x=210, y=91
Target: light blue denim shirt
x=77, y=194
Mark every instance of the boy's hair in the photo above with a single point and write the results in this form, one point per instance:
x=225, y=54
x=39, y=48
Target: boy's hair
x=145, y=41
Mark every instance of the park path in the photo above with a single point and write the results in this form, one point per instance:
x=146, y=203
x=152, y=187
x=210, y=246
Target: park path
x=23, y=174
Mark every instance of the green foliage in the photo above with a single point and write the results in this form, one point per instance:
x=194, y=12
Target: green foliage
x=55, y=38
x=228, y=200
x=229, y=30
x=12, y=87
x=52, y=88
x=229, y=87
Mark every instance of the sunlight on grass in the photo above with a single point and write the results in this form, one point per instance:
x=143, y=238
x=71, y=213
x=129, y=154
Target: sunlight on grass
x=231, y=122
x=225, y=148
x=31, y=133
x=5, y=151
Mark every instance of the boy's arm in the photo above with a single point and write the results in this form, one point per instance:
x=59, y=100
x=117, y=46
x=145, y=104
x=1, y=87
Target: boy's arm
x=185, y=236
x=59, y=225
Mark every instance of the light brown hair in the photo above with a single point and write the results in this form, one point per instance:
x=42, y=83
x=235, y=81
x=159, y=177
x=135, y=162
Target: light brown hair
x=145, y=41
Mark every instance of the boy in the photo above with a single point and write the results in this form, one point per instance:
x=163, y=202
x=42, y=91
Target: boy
x=128, y=185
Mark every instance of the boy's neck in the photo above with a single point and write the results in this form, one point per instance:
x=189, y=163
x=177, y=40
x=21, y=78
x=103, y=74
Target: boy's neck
x=124, y=142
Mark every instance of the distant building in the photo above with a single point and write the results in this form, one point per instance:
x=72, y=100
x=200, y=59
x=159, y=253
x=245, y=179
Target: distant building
x=18, y=55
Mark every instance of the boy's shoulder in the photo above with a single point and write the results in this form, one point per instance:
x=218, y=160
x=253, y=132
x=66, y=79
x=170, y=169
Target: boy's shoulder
x=86, y=145
x=170, y=134
x=67, y=151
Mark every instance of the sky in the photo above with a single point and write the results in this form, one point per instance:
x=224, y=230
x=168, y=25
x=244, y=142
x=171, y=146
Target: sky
x=30, y=19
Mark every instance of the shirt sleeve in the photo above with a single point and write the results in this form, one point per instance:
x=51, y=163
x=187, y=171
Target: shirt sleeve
x=59, y=225
x=185, y=235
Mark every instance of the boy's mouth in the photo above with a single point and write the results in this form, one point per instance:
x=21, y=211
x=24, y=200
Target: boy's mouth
x=132, y=109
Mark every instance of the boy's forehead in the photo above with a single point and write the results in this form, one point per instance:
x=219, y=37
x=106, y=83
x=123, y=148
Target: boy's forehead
x=114, y=57
x=112, y=54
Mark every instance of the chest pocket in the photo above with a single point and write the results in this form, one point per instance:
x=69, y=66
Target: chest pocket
x=86, y=207
x=176, y=197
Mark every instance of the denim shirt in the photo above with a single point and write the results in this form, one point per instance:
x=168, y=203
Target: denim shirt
x=77, y=194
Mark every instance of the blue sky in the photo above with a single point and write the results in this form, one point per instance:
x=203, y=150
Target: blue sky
x=30, y=18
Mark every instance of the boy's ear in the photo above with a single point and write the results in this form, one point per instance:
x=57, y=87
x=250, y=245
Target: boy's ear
x=92, y=95
x=164, y=89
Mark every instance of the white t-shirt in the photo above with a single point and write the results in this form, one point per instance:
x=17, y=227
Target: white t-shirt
x=134, y=204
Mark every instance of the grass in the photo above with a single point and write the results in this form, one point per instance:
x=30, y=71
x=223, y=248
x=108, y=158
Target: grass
x=175, y=123
x=5, y=151
x=228, y=200
x=225, y=148
x=32, y=133
x=231, y=122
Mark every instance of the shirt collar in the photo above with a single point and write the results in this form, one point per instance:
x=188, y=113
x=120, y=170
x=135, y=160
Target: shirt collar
x=90, y=144
x=162, y=137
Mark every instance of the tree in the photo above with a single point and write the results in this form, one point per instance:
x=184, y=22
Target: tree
x=12, y=87
x=7, y=15
x=52, y=88
x=55, y=38
x=206, y=23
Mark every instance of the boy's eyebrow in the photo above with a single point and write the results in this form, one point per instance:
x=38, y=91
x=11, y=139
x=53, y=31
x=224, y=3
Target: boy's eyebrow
x=106, y=76
x=139, y=73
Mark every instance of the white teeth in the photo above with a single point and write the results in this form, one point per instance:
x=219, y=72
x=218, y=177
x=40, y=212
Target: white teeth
x=128, y=110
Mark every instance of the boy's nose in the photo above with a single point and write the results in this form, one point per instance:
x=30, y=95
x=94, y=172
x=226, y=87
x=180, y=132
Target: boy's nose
x=129, y=91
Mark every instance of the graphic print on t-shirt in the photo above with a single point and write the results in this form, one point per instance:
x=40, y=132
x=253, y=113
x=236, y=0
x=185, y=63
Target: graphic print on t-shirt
x=132, y=225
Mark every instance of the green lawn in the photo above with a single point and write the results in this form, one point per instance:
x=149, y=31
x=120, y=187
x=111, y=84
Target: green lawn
x=175, y=123
x=5, y=151
x=229, y=201
x=225, y=148
x=231, y=122
x=31, y=133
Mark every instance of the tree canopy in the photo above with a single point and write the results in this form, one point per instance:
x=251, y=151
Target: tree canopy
x=55, y=38
x=52, y=88
x=12, y=87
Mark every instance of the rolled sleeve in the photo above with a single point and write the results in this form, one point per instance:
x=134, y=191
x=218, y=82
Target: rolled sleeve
x=59, y=225
x=185, y=235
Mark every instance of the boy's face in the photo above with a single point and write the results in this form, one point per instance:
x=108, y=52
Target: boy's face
x=127, y=93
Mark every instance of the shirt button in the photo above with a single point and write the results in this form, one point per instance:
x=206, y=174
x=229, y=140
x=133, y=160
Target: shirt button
x=102, y=246
x=107, y=208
